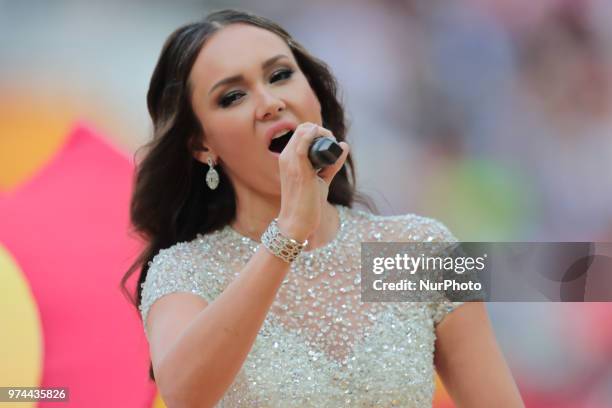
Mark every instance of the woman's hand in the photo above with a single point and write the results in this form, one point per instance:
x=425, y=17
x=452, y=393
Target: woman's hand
x=303, y=189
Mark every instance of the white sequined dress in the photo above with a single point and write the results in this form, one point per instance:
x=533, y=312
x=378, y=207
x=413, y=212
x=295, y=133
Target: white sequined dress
x=320, y=346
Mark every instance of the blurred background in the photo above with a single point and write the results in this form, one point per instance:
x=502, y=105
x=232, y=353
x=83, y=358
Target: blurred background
x=493, y=116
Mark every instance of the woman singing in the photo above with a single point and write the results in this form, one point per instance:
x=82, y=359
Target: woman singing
x=250, y=284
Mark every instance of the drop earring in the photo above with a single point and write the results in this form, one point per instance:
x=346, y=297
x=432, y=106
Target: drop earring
x=212, y=176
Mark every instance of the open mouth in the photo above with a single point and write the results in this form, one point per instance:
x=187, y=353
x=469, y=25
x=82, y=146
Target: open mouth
x=277, y=145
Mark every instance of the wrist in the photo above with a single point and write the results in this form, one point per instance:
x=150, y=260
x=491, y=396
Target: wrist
x=291, y=230
x=281, y=245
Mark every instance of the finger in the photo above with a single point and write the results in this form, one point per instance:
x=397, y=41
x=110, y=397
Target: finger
x=301, y=131
x=328, y=173
x=305, y=140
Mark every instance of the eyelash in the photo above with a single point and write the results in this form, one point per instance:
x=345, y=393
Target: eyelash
x=229, y=98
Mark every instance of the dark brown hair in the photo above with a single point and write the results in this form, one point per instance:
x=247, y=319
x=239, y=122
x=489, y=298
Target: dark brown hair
x=170, y=202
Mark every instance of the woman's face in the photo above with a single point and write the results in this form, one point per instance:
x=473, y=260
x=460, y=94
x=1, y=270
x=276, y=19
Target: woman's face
x=237, y=115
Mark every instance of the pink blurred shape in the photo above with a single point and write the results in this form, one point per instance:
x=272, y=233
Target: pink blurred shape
x=67, y=227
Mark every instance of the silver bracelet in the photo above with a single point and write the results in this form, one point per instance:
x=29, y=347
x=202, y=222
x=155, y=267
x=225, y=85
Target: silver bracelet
x=283, y=247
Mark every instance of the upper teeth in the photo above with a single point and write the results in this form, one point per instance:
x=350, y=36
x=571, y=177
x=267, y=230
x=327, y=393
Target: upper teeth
x=280, y=133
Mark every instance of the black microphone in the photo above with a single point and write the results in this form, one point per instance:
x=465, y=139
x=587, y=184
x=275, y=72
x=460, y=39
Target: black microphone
x=323, y=152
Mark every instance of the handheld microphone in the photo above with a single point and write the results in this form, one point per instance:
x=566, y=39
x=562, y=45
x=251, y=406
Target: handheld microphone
x=323, y=152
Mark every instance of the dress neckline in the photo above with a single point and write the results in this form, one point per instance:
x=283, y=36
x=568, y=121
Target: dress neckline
x=334, y=241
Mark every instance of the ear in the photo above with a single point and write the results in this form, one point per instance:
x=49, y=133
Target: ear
x=203, y=155
x=199, y=150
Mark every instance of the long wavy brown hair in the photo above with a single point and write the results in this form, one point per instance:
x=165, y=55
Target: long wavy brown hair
x=170, y=202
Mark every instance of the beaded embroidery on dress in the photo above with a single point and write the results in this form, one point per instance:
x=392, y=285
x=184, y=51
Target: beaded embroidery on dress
x=320, y=346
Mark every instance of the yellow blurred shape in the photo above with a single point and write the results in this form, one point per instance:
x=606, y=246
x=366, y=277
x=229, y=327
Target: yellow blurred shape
x=441, y=397
x=32, y=129
x=159, y=402
x=21, y=350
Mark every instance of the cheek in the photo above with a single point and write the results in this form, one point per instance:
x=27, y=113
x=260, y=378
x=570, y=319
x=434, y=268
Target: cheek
x=235, y=143
x=310, y=102
x=229, y=131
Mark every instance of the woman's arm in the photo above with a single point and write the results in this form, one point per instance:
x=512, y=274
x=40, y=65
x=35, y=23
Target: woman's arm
x=197, y=349
x=470, y=363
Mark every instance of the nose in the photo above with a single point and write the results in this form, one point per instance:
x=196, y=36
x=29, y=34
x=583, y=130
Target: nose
x=269, y=106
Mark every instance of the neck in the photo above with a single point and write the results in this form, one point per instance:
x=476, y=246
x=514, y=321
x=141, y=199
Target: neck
x=253, y=215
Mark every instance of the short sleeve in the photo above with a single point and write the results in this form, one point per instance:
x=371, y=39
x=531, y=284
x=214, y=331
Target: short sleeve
x=426, y=229
x=172, y=270
x=439, y=310
x=436, y=231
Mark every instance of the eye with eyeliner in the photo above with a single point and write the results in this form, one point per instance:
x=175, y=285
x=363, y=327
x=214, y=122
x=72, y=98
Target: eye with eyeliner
x=279, y=75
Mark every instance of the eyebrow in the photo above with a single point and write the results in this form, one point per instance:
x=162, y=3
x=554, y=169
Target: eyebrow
x=239, y=78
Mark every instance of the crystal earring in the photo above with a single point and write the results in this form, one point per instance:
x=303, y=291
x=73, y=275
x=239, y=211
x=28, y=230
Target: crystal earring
x=212, y=176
